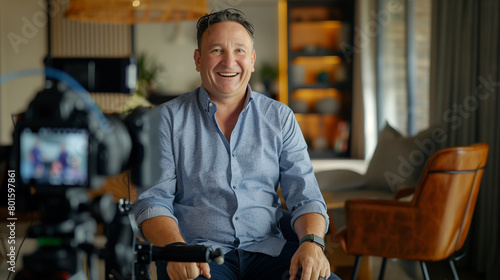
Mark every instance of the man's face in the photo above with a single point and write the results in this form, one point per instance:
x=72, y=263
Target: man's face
x=226, y=60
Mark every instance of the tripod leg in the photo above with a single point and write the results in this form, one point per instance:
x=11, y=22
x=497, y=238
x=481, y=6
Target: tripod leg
x=382, y=269
x=93, y=265
x=453, y=269
x=356, y=267
x=424, y=270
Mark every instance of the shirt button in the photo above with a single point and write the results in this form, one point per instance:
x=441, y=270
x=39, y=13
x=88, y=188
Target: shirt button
x=236, y=242
x=234, y=187
x=236, y=218
x=210, y=104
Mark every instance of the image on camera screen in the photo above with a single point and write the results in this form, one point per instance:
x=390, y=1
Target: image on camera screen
x=54, y=156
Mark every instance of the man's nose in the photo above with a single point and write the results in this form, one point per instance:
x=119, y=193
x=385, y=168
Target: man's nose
x=229, y=59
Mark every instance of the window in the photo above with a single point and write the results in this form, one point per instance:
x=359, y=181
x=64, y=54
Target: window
x=403, y=62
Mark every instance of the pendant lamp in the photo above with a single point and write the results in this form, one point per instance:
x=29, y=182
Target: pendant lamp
x=135, y=11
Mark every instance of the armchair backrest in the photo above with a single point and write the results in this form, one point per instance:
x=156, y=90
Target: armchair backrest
x=447, y=194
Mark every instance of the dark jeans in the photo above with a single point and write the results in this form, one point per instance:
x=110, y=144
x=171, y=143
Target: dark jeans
x=239, y=264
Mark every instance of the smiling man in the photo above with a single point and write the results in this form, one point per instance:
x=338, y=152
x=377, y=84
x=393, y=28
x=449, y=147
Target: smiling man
x=225, y=150
x=225, y=59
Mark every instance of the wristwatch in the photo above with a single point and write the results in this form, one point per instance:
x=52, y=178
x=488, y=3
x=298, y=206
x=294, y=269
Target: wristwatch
x=313, y=238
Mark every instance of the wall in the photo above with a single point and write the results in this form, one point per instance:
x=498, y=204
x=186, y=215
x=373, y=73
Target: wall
x=22, y=46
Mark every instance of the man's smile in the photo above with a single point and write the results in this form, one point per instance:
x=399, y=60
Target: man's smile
x=227, y=74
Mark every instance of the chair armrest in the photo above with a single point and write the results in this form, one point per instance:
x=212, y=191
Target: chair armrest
x=339, y=179
x=404, y=192
x=374, y=227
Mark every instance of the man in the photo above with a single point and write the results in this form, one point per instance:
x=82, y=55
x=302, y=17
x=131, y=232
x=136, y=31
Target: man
x=225, y=149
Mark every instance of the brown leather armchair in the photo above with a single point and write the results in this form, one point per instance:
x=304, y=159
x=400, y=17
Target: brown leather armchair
x=432, y=226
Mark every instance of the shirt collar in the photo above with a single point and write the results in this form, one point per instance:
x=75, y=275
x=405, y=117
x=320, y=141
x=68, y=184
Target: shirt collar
x=204, y=99
x=208, y=104
x=249, y=97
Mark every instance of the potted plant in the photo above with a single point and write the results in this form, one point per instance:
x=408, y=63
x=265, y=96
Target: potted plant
x=148, y=71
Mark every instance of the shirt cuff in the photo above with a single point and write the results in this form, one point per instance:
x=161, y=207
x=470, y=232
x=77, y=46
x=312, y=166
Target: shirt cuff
x=311, y=207
x=150, y=213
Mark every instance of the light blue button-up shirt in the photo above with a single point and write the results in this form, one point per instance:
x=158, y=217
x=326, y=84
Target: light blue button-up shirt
x=223, y=193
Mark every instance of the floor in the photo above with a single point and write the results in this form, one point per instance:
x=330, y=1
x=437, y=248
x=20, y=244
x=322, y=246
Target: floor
x=395, y=269
x=410, y=270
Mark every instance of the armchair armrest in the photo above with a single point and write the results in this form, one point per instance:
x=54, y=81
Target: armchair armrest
x=370, y=223
x=404, y=192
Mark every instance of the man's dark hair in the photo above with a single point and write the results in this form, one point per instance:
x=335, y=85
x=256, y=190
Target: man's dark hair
x=229, y=14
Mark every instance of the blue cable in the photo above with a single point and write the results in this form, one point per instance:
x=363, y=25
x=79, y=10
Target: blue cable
x=68, y=81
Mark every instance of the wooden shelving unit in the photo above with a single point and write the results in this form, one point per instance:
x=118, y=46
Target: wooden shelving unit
x=315, y=74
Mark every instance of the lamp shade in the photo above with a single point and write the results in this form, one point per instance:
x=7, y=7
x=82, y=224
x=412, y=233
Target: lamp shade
x=135, y=11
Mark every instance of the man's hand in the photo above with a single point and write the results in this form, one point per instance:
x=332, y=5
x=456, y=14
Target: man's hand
x=162, y=231
x=309, y=257
x=187, y=271
x=312, y=260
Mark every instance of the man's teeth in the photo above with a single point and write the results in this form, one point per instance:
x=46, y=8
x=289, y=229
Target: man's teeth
x=228, y=74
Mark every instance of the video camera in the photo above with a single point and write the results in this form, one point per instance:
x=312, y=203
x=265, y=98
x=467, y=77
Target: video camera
x=63, y=146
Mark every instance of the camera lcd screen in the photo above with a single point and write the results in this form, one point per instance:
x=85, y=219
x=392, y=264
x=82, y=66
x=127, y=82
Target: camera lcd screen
x=54, y=156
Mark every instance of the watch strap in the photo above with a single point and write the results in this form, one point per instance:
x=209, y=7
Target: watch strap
x=313, y=238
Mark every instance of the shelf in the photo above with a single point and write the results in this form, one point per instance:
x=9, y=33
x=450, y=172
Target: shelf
x=317, y=52
x=339, y=86
x=316, y=75
x=318, y=72
x=316, y=24
x=320, y=34
x=326, y=135
x=312, y=10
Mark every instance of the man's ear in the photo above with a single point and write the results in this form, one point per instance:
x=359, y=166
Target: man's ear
x=197, y=56
x=254, y=56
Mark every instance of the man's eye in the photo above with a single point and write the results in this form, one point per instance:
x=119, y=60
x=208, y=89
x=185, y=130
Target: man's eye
x=217, y=51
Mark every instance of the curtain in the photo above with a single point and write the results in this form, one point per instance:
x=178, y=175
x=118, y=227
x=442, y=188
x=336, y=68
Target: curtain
x=464, y=98
x=365, y=129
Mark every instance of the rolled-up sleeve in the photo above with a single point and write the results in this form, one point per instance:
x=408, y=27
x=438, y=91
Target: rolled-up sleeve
x=151, y=203
x=298, y=183
x=158, y=199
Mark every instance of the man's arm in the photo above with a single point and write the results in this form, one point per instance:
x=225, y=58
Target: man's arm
x=302, y=195
x=162, y=231
x=310, y=256
x=312, y=223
